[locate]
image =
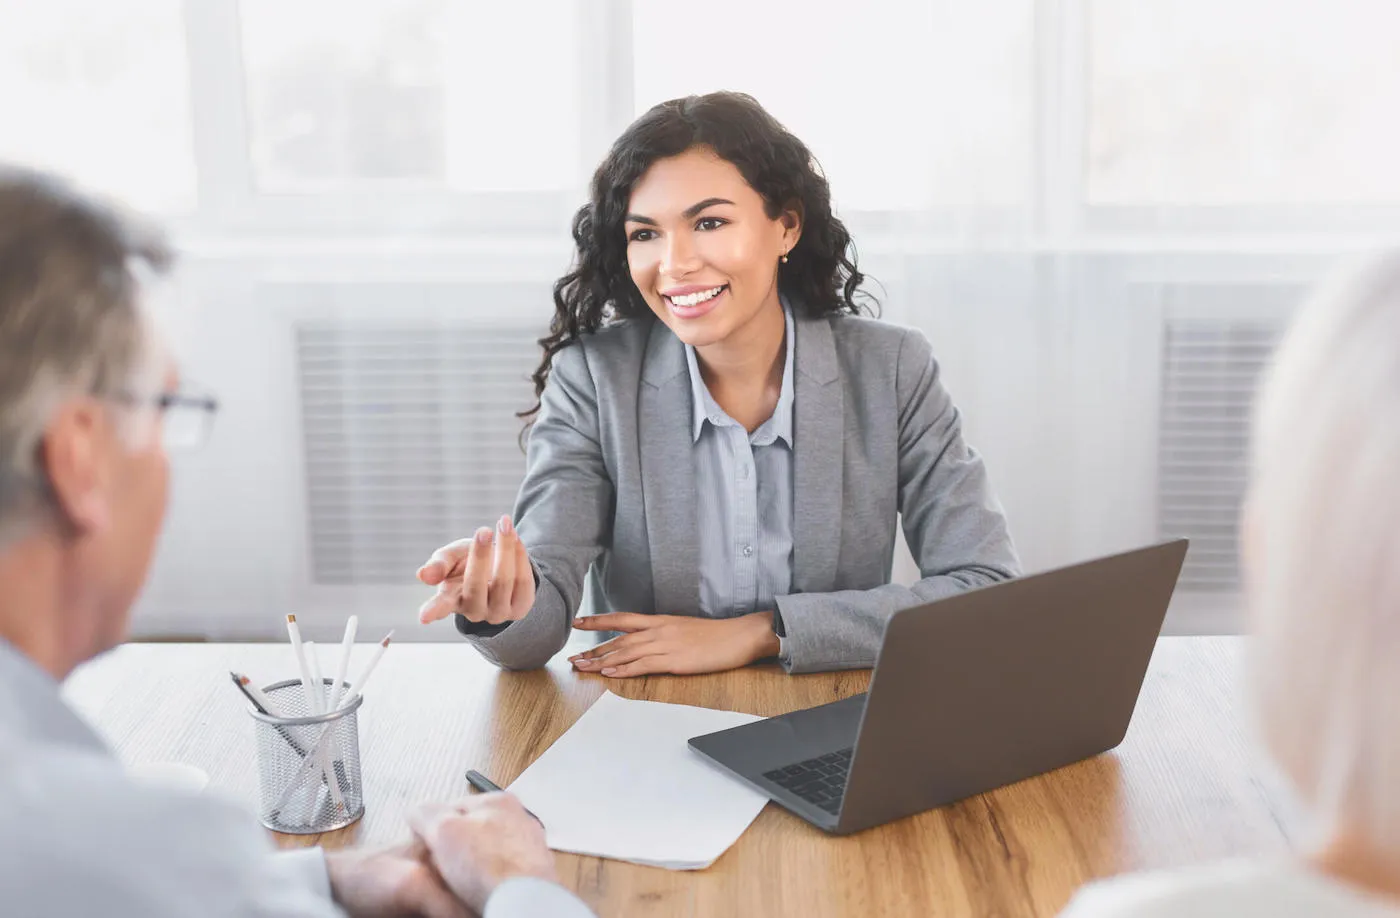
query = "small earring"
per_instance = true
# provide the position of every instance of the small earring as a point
(783, 259)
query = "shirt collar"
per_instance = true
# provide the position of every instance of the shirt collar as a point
(705, 408)
(31, 703)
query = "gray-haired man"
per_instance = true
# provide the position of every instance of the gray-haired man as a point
(89, 398)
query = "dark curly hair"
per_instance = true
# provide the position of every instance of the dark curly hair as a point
(820, 273)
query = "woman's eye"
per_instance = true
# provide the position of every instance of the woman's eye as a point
(710, 223)
(642, 235)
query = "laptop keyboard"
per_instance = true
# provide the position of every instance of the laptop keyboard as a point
(821, 781)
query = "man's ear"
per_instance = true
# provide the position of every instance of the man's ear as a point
(73, 454)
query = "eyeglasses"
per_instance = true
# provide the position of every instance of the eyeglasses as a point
(187, 416)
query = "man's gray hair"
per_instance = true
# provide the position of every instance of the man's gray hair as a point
(71, 318)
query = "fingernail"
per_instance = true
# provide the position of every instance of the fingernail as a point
(483, 537)
(501, 525)
(608, 671)
(510, 526)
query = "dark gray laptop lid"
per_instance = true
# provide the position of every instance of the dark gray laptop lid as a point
(1007, 681)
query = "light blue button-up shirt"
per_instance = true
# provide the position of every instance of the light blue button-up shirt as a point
(79, 837)
(744, 496)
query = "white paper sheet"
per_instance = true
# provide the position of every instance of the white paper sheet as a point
(622, 783)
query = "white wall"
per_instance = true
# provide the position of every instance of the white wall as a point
(1053, 359)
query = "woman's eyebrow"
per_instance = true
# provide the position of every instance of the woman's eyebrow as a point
(689, 212)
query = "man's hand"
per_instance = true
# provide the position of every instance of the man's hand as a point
(486, 578)
(391, 882)
(675, 643)
(480, 842)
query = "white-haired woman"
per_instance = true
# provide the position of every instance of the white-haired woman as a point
(1322, 571)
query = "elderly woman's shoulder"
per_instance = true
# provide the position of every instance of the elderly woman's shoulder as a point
(1240, 889)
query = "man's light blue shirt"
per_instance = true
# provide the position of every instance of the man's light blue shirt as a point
(79, 837)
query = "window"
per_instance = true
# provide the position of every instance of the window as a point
(886, 76)
(1201, 103)
(415, 95)
(100, 92)
(1060, 121)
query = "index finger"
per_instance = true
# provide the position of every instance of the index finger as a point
(615, 621)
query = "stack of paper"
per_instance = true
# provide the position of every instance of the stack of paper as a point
(622, 783)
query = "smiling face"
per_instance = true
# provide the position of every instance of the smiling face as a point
(702, 249)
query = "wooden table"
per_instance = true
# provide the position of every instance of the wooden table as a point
(1183, 787)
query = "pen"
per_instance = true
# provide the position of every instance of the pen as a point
(260, 704)
(484, 784)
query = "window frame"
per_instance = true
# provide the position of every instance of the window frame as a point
(228, 201)
(1056, 217)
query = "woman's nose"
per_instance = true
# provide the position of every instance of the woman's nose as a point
(679, 257)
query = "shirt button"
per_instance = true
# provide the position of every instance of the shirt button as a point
(748, 551)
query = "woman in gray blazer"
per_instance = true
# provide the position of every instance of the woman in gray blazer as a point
(723, 442)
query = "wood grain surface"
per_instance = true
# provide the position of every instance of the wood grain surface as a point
(1185, 786)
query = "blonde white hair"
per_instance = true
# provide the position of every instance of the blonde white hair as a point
(1323, 555)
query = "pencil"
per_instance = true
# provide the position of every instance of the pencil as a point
(317, 696)
(359, 685)
(350, 697)
(294, 633)
(347, 643)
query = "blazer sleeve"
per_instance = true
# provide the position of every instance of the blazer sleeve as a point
(563, 515)
(953, 524)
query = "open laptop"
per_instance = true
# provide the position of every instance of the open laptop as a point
(969, 693)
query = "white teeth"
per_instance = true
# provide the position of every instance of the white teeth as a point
(694, 299)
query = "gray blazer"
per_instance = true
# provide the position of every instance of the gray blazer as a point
(607, 508)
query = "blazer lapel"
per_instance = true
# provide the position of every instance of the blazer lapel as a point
(664, 439)
(818, 435)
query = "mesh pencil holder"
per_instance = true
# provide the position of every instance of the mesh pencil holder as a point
(299, 755)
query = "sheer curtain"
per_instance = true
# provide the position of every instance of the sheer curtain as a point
(1100, 212)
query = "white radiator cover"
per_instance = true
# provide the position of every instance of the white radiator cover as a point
(409, 439)
(1210, 372)
(368, 416)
